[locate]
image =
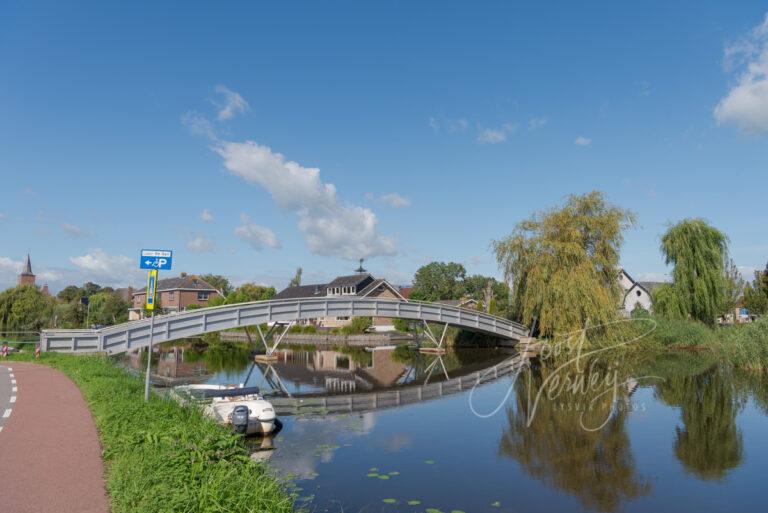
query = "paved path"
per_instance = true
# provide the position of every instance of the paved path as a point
(50, 457)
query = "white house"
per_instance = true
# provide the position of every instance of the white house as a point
(635, 294)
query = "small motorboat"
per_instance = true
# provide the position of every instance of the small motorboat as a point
(240, 407)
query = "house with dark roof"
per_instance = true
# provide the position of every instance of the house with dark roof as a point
(175, 295)
(635, 293)
(361, 284)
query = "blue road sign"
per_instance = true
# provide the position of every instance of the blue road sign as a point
(158, 259)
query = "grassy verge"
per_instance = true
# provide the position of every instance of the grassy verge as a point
(162, 457)
(744, 346)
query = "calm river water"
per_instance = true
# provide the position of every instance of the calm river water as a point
(680, 434)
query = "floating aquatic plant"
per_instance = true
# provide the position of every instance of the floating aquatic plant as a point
(389, 501)
(413, 502)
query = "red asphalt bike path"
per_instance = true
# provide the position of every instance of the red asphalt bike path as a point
(50, 456)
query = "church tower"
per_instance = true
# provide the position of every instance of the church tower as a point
(27, 277)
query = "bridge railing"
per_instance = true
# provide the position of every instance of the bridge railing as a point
(133, 334)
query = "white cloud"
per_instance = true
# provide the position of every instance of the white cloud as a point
(495, 135)
(256, 235)
(198, 124)
(74, 230)
(9, 265)
(329, 227)
(658, 277)
(100, 267)
(451, 126)
(200, 244)
(582, 141)
(537, 122)
(746, 104)
(206, 216)
(233, 103)
(395, 200)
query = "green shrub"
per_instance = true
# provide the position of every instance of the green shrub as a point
(747, 344)
(358, 326)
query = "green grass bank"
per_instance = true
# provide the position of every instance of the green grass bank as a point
(163, 457)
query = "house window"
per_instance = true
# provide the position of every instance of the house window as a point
(171, 295)
(639, 293)
(202, 296)
(342, 318)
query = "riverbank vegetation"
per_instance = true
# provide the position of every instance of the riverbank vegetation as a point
(160, 456)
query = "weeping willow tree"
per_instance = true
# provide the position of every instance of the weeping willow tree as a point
(698, 253)
(563, 264)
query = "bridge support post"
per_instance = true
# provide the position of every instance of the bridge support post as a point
(277, 340)
(431, 336)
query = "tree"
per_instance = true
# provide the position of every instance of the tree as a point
(249, 292)
(25, 308)
(219, 282)
(90, 288)
(69, 293)
(733, 289)
(698, 253)
(756, 293)
(562, 264)
(439, 280)
(296, 280)
(108, 308)
(492, 294)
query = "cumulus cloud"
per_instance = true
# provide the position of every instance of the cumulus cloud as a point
(200, 244)
(537, 122)
(395, 200)
(257, 236)
(746, 104)
(582, 141)
(328, 226)
(206, 216)
(232, 104)
(74, 230)
(495, 135)
(100, 267)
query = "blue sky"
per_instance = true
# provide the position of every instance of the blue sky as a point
(439, 125)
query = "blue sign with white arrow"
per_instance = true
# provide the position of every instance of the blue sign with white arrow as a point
(158, 259)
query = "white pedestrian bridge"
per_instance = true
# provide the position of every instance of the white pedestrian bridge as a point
(285, 312)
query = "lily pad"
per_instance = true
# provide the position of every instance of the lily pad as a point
(433, 510)
(384, 477)
(372, 474)
(373, 469)
(496, 504)
(456, 511)
(413, 502)
(389, 501)
(394, 473)
(429, 462)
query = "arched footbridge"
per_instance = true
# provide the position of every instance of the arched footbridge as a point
(275, 313)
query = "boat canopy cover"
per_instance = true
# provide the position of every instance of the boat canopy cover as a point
(231, 392)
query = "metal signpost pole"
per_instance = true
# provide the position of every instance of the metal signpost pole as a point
(154, 260)
(150, 304)
(149, 358)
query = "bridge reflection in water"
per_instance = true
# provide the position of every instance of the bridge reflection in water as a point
(328, 380)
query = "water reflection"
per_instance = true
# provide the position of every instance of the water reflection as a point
(303, 371)
(551, 444)
(709, 443)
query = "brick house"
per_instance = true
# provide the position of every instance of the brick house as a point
(175, 295)
(361, 285)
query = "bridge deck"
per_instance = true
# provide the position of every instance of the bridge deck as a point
(136, 334)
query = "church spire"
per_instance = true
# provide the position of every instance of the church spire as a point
(27, 267)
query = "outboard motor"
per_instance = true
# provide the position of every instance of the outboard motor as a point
(240, 419)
